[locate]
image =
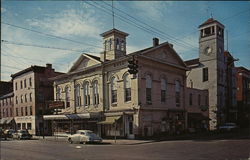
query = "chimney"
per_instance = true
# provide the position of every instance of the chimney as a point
(155, 42)
(48, 65)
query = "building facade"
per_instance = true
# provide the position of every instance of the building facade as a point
(99, 93)
(243, 96)
(32, 89)
(210, 71)
(6, 111)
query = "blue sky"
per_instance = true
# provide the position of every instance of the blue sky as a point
(175, 22)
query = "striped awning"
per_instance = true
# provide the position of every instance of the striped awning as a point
(67, 116)
(5, 120)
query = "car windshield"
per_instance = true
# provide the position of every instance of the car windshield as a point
(23, 131)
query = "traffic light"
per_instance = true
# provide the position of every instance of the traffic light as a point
(132, 65)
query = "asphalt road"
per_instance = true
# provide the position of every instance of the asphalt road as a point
(165, 150)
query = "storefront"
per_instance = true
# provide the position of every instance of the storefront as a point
(197, 122)
(70, 123)
(7, 123)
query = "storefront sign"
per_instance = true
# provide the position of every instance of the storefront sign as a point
(56, 105)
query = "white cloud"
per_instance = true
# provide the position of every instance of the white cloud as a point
(187, 48)
(153, 9)
(3, 10)
(69, 23)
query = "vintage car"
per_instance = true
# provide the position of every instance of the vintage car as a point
(84, 136)
(21, 134)
(9, 133)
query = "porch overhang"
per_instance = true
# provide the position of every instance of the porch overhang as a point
(110, 120)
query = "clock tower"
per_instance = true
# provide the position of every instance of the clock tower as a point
(211, 40)
(213, 68)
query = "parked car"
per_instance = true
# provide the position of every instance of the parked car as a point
(9, 133)
(22, 134)
(2, 135)
(84, 136)
(228, 127)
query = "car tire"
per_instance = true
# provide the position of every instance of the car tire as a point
(70, 141)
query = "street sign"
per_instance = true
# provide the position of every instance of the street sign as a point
(56, 104)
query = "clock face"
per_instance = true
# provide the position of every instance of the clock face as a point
(208, 51)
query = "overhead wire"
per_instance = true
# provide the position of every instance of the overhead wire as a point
(50, 35)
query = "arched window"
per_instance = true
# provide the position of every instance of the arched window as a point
(86, 94)
(21, 98)
(77, 96)
(163, 90)
(58, 93)
(96, 93)
(113, 87)
(148, 89)
(127, 88)
(67, 96)
(177, 92)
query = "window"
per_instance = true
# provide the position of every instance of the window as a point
(127, 88)
(190, 99)
(30, 82)
(199, 99)
(6, 101)
(21, 84)
(205, 74)
(21, 98)
(77, 96)
(110, 44)
(86, 94)
(67, 95)
(177, 92)
(26, 111)
(24, 83)
(29, 126)
(30, 97)
(21, 111)
(206, 100)
(31, 110)
(10, 112)
(7, 113)
(25, 97)
(148, 89)
(96, 93)
(23, 125)
(3, 102)
(122, 45)
(58, 93)
(16, 111)
(163, 90)
(16, 85)
(113, 90)
(18, 126)
(118, 46)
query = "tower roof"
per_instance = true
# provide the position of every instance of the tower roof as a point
(210, 20)
(113, 31)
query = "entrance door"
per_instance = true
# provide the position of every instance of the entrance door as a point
(130, 128)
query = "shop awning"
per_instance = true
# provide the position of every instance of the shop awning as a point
(5, 120)
(197, 117)
(68, 116)
(110, 120)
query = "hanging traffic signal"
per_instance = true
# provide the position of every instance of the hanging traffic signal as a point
(132, 65)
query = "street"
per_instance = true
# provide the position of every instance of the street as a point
(172, 150)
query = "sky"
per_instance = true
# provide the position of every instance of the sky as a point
(58, 32)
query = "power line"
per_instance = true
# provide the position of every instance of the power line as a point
(148, 25)
(50, 35)
(40, 46)
(125, 19)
